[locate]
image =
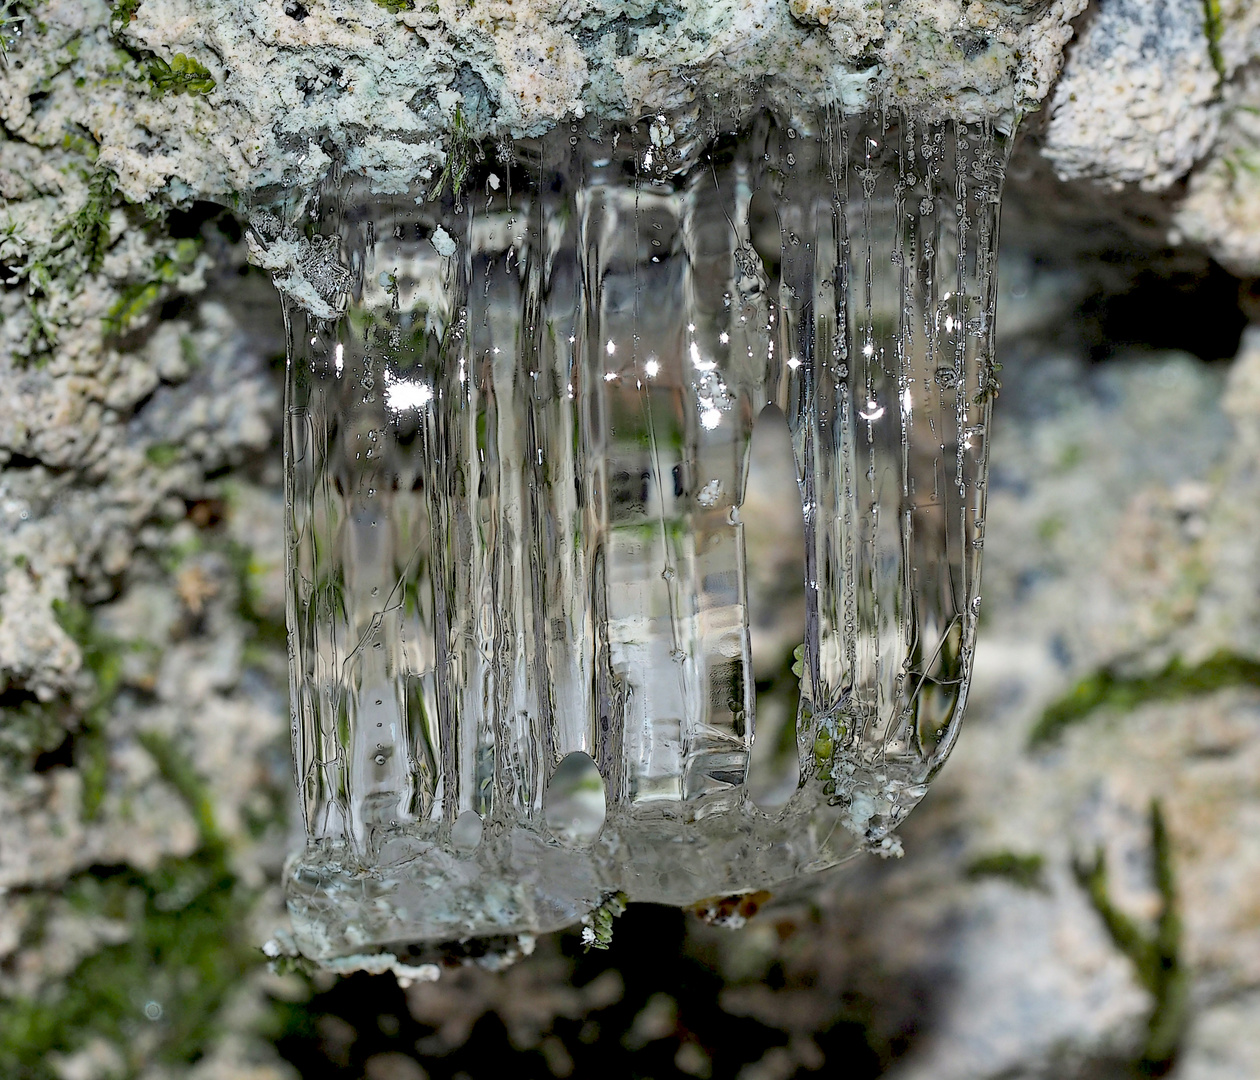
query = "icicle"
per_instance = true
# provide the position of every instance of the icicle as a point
(517, 452)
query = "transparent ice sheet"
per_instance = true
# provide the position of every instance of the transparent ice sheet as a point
(516, 462)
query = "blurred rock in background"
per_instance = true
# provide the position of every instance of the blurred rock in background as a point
(1080, 896)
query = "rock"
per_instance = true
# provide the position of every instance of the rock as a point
(1224, 1041)
(1120, 538)
(256, 93)
(1137, 99)
(1221, 209)
(141, 515)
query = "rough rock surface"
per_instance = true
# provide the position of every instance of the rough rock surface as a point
(1110, 114)
(380, 82)
(1222, 206)
(143, 754)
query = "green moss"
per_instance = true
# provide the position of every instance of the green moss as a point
(168, 979)
(32, 727)
(80, 141)
(459, 156)
(163, 455)
(90, 226)
(188, 351)
(102, 656)
(183, 75)
(121, 13)
(1154, 953)
(395, 7)
(1212, 29)
(1050, 527)
(1022, 870)
(133, 301)
(599, 923)
(265, 630)
(137, 297)
(1107, 689)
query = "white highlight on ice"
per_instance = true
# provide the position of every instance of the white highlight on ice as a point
(404, 394)
(698, 362)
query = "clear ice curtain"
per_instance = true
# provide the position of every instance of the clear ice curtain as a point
(519, 437)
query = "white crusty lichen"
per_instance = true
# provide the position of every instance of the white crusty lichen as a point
(114, 113)
(379, 87)
(1138, 100)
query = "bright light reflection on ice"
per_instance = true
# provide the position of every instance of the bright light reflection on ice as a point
(698, 362)
(873, 411)
(404, 394)
(652, 368)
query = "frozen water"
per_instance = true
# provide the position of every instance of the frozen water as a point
(517, 562)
